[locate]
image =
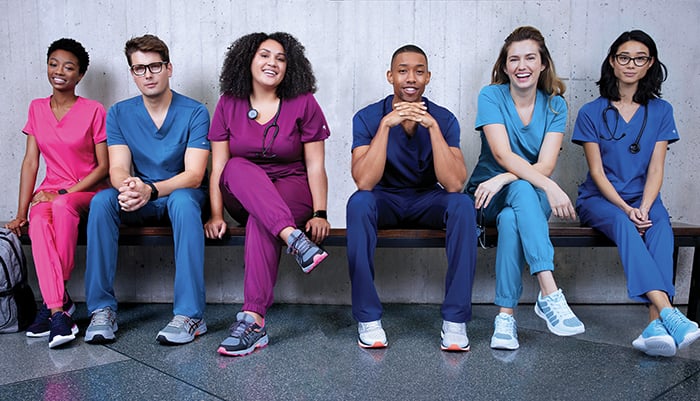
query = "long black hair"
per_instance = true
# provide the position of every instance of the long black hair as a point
(236, 78)
(649, 87)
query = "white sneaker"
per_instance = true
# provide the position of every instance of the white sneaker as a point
(371, 335)
(559, 317)
(505, 332)
(454, 336)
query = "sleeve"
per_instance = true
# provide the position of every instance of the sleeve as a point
(667, 126)
(219, 130)
(451, 131)
(584, 128)
(557, 108)
(199, 128)
(488, 108)
(313, 124)
(30, 127)
(114, 132)
(99, 132)
(362, 133)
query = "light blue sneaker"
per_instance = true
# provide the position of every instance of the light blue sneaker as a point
(559, 317)
(683, 330)
(505, 332)
(655, 340)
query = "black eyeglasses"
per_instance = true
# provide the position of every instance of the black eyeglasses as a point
(140, 69)
(639, 61)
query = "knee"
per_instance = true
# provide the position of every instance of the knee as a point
(183, 201)
(104, 203)
(506, 221)
(460, 206)
(362, 204)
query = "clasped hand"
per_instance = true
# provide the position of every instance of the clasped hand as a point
(410, 111)
(133, 194)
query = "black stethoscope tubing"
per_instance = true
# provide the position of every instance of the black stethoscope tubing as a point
(633, 148)
(253, 114)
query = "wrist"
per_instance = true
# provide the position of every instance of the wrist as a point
(62, 191)
(154, 191)
(322, 214)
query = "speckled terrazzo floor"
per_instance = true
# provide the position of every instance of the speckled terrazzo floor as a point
(313, 355)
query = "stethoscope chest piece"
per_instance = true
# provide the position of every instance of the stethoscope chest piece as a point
(634, 148)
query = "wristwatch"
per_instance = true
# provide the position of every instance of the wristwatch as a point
(154, 191)
(62, 191)
(320, 213)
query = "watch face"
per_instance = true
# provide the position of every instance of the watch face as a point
(62, 192)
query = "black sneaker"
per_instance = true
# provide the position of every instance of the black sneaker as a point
(63, 330)
(307, 254)
(245, 337)
(42, 324)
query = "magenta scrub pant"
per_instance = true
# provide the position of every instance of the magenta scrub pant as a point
(265, 204)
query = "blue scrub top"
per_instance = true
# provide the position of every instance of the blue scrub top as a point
(626, 171)
(496, 106)
(409, 159)
(158, 154)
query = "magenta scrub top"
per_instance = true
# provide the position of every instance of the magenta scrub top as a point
(300, 120)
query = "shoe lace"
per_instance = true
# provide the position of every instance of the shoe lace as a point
(101, 317)
(239, 328)
(457, 328)
(370, 326)
(300, 245)
(673, 321)
(504, 325)
(560, 307)
(178, 321)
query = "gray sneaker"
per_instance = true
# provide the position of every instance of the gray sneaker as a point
(102, 326)
(181, 330)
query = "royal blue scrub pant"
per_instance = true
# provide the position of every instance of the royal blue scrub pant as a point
(647, 259)
(369, 210)
(520, 212)
(182, 208)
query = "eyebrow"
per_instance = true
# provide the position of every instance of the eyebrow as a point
(67, 61)
(270, 51)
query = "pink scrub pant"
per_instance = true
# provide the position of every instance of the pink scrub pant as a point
(53, 230)
(265, 205)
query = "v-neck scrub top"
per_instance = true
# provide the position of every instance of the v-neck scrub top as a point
(496, 106)
(68, 145)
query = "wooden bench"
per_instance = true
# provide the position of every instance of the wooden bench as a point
(561, 234)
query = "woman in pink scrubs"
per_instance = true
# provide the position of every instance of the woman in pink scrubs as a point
(69, 131)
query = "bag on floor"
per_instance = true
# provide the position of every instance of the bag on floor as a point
(17, 304)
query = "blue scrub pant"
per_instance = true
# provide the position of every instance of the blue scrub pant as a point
(520, 212)
(648, 259)
(369, 210)
(182, 208)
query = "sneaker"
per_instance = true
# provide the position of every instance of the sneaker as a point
(41, 327)
(505, 333)
(63, 329)
(371, 335)
(655, 340)
(454, 336)
(245, 337)
(559, 317)
(683, 330)
(307, 253)
(181, 330)
(102, 326)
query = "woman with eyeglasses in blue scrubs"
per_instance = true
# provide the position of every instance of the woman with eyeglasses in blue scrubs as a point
(625, 133)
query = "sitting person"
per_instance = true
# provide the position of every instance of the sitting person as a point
(69, 131)
(621, 195)
(275, 189)
(161, 137)
(409, 171)
(522, 118)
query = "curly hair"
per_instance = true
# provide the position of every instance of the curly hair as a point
(236, 77)
(74, 47)
(548, 82)
(649, 87)
(146, 43)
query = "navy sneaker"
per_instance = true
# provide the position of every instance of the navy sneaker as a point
(41, 327)
(63, 330)
(245, 337)
(307, 253)
(683, 330)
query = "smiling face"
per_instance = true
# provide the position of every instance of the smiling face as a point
(524, 64)
(152, 85)
(63, 70)
(630, 74)
(269, 64)
(408, 75)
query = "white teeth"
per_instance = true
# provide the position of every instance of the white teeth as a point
(59, 80)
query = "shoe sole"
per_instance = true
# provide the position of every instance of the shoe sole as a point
(689, 339)
(553, 329)
(655, 346)
(316, 261)
(455, 348)
(163, 338)
(101, 338)
(504, 346)
(70, 312)
(60, 340)
(377, 344)
(260, 344)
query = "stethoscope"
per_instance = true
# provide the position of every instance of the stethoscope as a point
(253, 114)
(634, 148)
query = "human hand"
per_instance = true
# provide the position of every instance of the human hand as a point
(215, 228)
(640, 218)
(560, 203)
(133, 194)
(318, 228)
(16, 224)
(487, 190)
(43, 196)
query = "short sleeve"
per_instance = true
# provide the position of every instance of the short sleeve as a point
(489, 107)
(584, 129)
(99, 131)
(114, 133)
(313, 124)
(667, 126)
(219, 130)
(199, 128)
(557, 107)
(29, 127)
(452, 132)
(361, 133)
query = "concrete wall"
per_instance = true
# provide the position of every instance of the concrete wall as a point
(349, 44)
